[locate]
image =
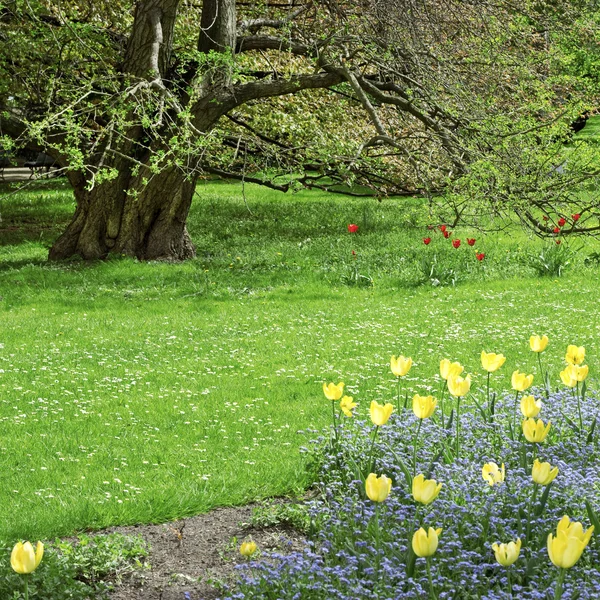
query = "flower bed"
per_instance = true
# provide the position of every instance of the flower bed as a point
(365, 549)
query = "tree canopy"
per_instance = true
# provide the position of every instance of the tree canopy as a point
(136, 99)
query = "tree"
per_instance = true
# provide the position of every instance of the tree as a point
(131, 97)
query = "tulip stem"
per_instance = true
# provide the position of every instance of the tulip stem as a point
(26, 587)
(457, 426)
(370, 463)
(335, 432)
(442, 404)
(559, 584)
(415, 448)
(488, 393)
(531, 508)
(515, 415)
(431, 590)
(579, 409)
(509, 581)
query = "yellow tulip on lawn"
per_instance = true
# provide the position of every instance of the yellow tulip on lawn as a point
(575, 354)
(332, 391)
(459, 386)
(520, 382)
(568, 545)
(347, 405)
(24, 560)
(507, 554)
(542, 473)
(378, 488)
(492, 473)
(448, 368)
(530, 407)
(248, 549)
(492, 362)
(400, 366)
(537, 343)
(534, 430)
(567, 377)
(578, 373)
(424, 490)
(380, 413)
(425, 543)
(423, 406)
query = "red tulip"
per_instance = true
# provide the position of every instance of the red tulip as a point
(480, 256)
(556, 230)
(447, 234)
(426, 241)
(353, 253)
(561, 222)
(456, 243)
(471, 241)
(443, 228)
(576, 217)
(557, 241)
(545, 217)
(352, 228)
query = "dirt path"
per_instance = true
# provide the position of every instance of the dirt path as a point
(194, 554)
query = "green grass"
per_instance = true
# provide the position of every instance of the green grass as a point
(134, 392)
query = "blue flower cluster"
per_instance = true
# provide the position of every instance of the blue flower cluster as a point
(362, 549)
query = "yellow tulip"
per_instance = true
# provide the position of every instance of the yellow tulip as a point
(578, 373)
(530, 407)
(492, 362)
(534, 430)
(543, 473)
(459, 386)
(425, 543)
(248, 549)
(575, 354)
(507, 554)
(380, 414)
(423, 406)
(520, 381)
(567, 377)
(378, 488)
(347, 405)
(424, 490)
(537, 343)
(567, 547)
(332, 391)
(492, 473)
(448, 368)
(400, 366)
(23, 560)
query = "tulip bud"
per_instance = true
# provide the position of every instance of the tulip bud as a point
(459, 386)
(507, 554)
(380, 414)
(537, 343)
(425, 543)
(332, 391)
(378, 488)
(448, 368)
(247, 549)
(424, 490)
(530, 407)
(347, 405)
(567, 547)
(543, 473)
(534, 430)
(400, 366)
(492, 474)
(492, 362)
(520, 382)
(575, 354)
(23, 560)
(423, 406)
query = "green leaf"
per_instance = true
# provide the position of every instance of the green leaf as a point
(592, 516)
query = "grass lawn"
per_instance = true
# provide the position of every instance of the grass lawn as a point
(134, 392)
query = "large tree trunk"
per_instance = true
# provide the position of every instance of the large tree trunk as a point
(129, 217)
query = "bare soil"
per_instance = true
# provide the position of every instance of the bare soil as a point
(199, 554)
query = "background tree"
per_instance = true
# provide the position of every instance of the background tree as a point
(137, 99)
